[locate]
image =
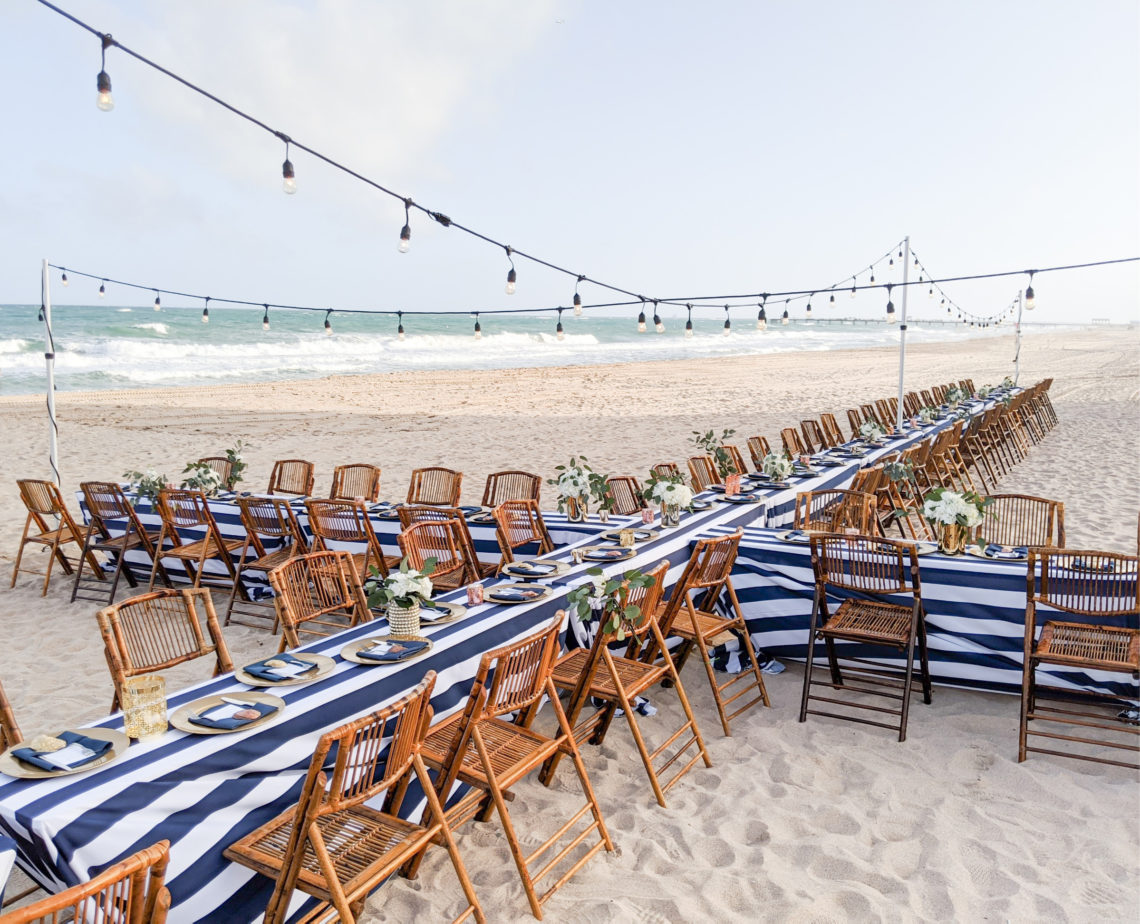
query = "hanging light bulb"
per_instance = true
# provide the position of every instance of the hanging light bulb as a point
(103, 289)
(762, 316)
(328, 323)
(808, 312)
(578, 298)
(658, 324)
(406, 231)
(641, 328)
(63, 278)
(511, 275)
(785, 319)
(103, 98)
(1030, 298)
(852, 286)
(689, 322)
(900, 253)
(872, 277)
(831, 301)
(289, 179)
(400, 325)
(206, 312)
(40, 314)
(727, 322)
(930, 292)
(890, 304)
(892, 263)
(265, 318)
(157, 302)
(478, 328)
(558, 331)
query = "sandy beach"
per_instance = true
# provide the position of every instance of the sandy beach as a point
(822, 821)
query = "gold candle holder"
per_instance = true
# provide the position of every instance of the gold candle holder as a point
(144, 706)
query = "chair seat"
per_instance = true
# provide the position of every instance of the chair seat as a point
(63, 534)
(871, 621)
(714, 628)
(124, 542)
(359, 840)
(633, 675)
(514, 751)
(273, 559)
(196, 548)
(1098, 647)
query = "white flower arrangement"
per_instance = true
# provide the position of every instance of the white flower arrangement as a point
(777, 466)
(928, 414)
(1007, 382)
(671, 494)
(405, 587)
(984, 391)
(578, 482)
(955, 395)
(871, 430)
(573, 483)
(146, 484)
(953, 508)
(201, 478)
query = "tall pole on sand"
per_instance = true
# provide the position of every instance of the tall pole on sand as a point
(49, 359)
(902, 331)
(1017, 341)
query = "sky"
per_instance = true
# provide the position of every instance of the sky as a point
(672, 149)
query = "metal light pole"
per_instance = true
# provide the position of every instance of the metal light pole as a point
(1017, 341)
(902, 331)
(49, 359)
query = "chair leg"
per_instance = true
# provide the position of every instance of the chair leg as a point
(810, 661)
(1027, 670)
(924, 664)
(908, 678)
(79, 567)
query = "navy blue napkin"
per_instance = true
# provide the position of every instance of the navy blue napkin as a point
(993, 550)
(259, 669)
(796, 535)
(230, 724)
(99, 746)
(531, 569)
(469, 510)
(607, 554)
(401, 648)
(513, 594)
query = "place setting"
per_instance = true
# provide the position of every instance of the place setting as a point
(285, 669)
(227, 713)
(71, 751)
(603, 553)
(534, 569)
(386, 649)
(999, 552)
(516, 592)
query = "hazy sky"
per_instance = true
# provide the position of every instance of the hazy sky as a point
(670, 148)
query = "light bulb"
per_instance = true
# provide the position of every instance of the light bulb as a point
(831, 301)
(784, 319)
(892, 261)
(103, 100)
(561, 334)
(689, 328)
(577, 305)
(641, 328)
(852, 291)
(478, 331)
(405, 238)
(872, 277)
(328, 326)
(205, 315)
(400, 326)
(727, 327)
(808, 309)
(658, 324)
(289, 181)
(102, 290)
(265, 319)
(1030, 299)
(512, 276)
(157, 302)
(890, 308)
(762, 319)
(63, 278)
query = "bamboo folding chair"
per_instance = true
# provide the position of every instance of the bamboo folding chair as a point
(956, 461)
(868, 412)
(419, 513)
(831, 431)
(157, 630)
(912, 404)
(598, 673)
(435, 486)
(292, 476)
(131, 891)
(793, 445)
(874, 569)
(106, 505)
(702, 473)
(1090, 587)
(181, 509)
(45, 503)
(272, 531)
(700, 627)
(440, 540)
(519, 523)
(735, 458)
(9, 730)
(511, 485)
(835, 511)
(344, 837)
(939, 393)
(854, 421)
(885, 409)
(318, 593)
(928, 399)
(1021, 519)
(626, 493)
(758, 448)
(356, 480)
(812, 435)
(222, 466)
(346, 522)
(482, 748)
(666, 469)
(900, 501)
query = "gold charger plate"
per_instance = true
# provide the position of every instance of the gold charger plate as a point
(490, 593)
(180, 718)
(323, 664)
(602, 554)
(557, 568)
(11, 766)
(453, 611)
(349, 652)
(639, 534)
(978, 552)
(795, 536)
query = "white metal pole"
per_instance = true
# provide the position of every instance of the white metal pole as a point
(49, 359)
(1017, 349)
(902, 332)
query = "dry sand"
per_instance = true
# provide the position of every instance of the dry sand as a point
(823, 821)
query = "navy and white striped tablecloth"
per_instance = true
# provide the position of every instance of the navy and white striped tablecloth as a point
(975, 615)
(7, 861)
(204, 792)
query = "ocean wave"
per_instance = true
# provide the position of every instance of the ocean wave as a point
(158, 327)
(14, 345)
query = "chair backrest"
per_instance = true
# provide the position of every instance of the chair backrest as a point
(928, 399)
(813, 436)
(834, 511)
(519, 522)
(793, 445)
(411, 514)
(911, 403)
(270, 518)
(42, 498)
(854, 421)
(708, 570)
(131, 892)
(338, 521)
(831, 430)
(519, 671)
(9, 730)
(735, 457)
(310, 587)
(222, 465)
(1020, 519)
(626, 493)
(868, 480)
(442, 541)
(160, 629)
(865, 564)
(1085, 583)
(666, 469)
(291, 476)
(358, 479)
(184, 509)
(702, 472)
(867, 411)
(107, 503)
(435, 486)
(885, 411)
(511, 485)
(758, 448)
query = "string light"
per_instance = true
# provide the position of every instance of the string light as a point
(785, 319)
(808, 311)
(265, 319)
(157, 302)
(1030, 298)
(641, 328)
(890, 304)
(930, 292)
(103, 99)
(289, 178)
(328, 323)
(558, 331)
(658, 324)
(578, 298)
(511, 274)
(103, 289)
(872, 275)
(689, 322)
(406, 231)
(63, 279)
(478, 327)
(762, 316)
(206, 311)
(400, 325)
(727, 322)
(831, 301)
(853, 286)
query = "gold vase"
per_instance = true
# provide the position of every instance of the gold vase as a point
(144, 706)
(576, 510)
(952, 539)
(404, 621)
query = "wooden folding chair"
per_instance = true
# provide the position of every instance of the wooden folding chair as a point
(854, 421)
(626, 493)
(1021, 519)
(885, 409)
(598, 674)
(702, 473)
(481, 747)
(319, 593)
(735, 458)
(181, 509)
(131, 891)
(700, 627)
(831, 431)
(422, 513)
(108, 512)
(875, 569)
(346, 523)
(356, 480)
(435, 486)
(868, 412)
(814, 439)
(520, 523)
(835, 511)
(222, 466)
(272, 531)
(45, 503)
(758, 448)
(9, 730)
(1090, 587)
(442, 541)
(511, 485)
(666, 469)
(157, 630)
(345, 836)
(292, 476)
(793, 445)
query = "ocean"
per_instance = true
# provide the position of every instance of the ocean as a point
(108, 347)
